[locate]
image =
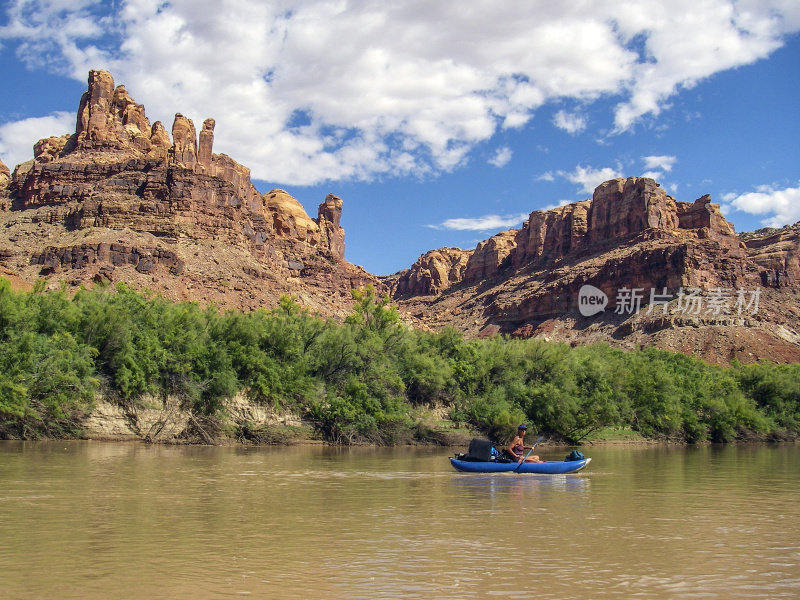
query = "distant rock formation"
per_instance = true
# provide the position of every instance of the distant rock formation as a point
(329, 215)
(118, 200)
(777, 252)
(624, 207)
(620, 210)
(433, 273)
(551, 234)
(631, 237)
(490, 255)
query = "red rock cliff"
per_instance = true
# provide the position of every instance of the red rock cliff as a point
(620, 211)
(630, 236)
(777, 252)
(119, 200)
(433, 273)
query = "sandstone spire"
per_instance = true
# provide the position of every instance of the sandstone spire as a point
(184, 141)
(109, 119)
(329, 216)
(95, 124)
(204, 151)
(133, 119)
(159, 139)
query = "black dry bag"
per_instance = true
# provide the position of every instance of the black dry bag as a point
(479, 451)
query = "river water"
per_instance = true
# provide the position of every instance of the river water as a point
(94, 520)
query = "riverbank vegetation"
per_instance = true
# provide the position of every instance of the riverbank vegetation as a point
(365, 380)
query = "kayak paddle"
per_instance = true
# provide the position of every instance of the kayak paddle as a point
(539, 439)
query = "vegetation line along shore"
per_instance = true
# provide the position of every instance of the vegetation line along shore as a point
(369, 379)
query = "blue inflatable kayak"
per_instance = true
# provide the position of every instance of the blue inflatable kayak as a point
(550, 467)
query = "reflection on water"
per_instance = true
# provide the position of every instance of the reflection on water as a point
(96, 520)
(492, 485)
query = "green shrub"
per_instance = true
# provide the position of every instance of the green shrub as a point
(361, 380)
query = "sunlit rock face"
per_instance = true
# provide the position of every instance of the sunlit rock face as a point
(121, 200)
(641, 249)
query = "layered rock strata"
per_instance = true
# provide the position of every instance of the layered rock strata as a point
(433, 273)
(777, 252)
(620, 211)
(639, 247)
(173, 204)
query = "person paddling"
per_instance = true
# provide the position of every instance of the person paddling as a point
(517, 447)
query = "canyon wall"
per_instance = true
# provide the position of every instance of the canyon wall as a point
(642, 250)
(117, 200)
(621, 211)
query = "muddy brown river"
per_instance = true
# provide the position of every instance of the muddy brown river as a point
(95, 520)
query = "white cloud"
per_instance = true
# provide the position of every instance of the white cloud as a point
(546, 176)
(16, 145)
(484, 223)
(662, 163)
(688, 41)
(572, 123)
(390, 88)
(588, 178)
(501, 157)
(782, 205)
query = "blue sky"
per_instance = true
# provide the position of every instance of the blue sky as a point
(439, 123)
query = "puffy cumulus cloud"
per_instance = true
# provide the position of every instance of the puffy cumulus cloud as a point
(51, 32)
(662, 163)
(306, 91)
(782, 205)
(682, 42)
(572, 123)
(588, 178)
(658, 165)
(485, 223)
(18, 137)
(501, 157)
